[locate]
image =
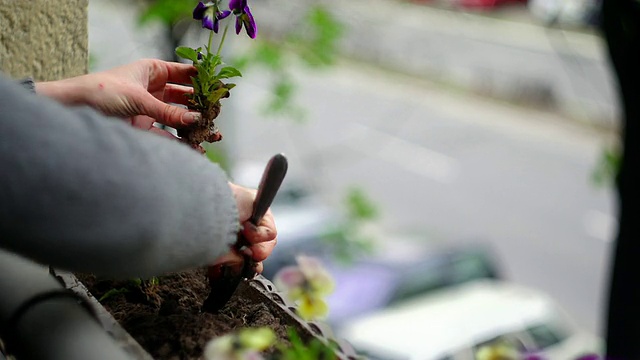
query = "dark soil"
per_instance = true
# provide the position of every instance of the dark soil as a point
(205, 130)
(166, 318)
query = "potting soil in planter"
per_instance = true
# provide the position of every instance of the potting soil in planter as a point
(165, 317)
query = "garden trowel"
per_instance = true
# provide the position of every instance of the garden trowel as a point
(224, 278)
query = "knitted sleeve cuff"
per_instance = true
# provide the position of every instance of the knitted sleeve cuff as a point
(28, 84)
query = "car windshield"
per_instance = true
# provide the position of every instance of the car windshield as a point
(441, 270)
(546, 335)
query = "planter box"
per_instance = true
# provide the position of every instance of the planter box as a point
(258, 291)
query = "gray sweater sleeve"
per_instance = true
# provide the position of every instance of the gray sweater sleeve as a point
(88, 193)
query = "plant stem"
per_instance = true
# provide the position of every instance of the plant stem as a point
(224, 35)
(210, 40)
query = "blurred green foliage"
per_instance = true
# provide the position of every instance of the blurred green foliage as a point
(298, 350)
(313, 43)
(217, 155)
(317, 43)
(168, 12)
(349, 240)
(607, 168)
(360, 206)
(93, 61)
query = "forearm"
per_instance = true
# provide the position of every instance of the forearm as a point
(88, 193)
(72, 91)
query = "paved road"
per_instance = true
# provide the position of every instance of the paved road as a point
(503, 53)
(452, 166)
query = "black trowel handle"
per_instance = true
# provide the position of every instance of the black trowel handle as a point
(271, 180)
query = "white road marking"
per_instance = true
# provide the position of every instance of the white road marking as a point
(410, 156)
(600, 225)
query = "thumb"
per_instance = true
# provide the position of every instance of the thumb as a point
(169, 115)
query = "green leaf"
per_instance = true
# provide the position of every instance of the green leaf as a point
(113, 292)
(228, 72)
(196, 85)
(211, 61)
(188, 53)
(166, 11)
(217, 95)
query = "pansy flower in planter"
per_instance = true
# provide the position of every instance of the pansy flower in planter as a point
(246, 344)
(210, 84)
(307, 284)
(498, 351)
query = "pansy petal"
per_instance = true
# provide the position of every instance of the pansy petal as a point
(223, 14)
(311, 266)
(237, 5)
(208, 23)
(208, 19)
(288, 277)
(238, 25)
(295, 294)
(216, 25)
(198, 12)
(311, 308)
(323, 285)
(308, 264)
(249, 23)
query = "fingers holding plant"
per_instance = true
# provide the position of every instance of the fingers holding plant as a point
(150, 87)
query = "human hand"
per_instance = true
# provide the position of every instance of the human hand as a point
(261, 238)
(139, 92)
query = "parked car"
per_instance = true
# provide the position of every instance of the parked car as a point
(398, 269)
(485, 4)
(454, 323)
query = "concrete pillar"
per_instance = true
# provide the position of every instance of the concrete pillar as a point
(45, 39)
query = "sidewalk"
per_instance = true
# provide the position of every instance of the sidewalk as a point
(502, 54)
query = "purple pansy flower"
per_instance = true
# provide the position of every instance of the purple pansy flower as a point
(243, 17)
(210, 15)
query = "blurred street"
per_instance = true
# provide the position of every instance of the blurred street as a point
(451, 165)
(502, 52)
